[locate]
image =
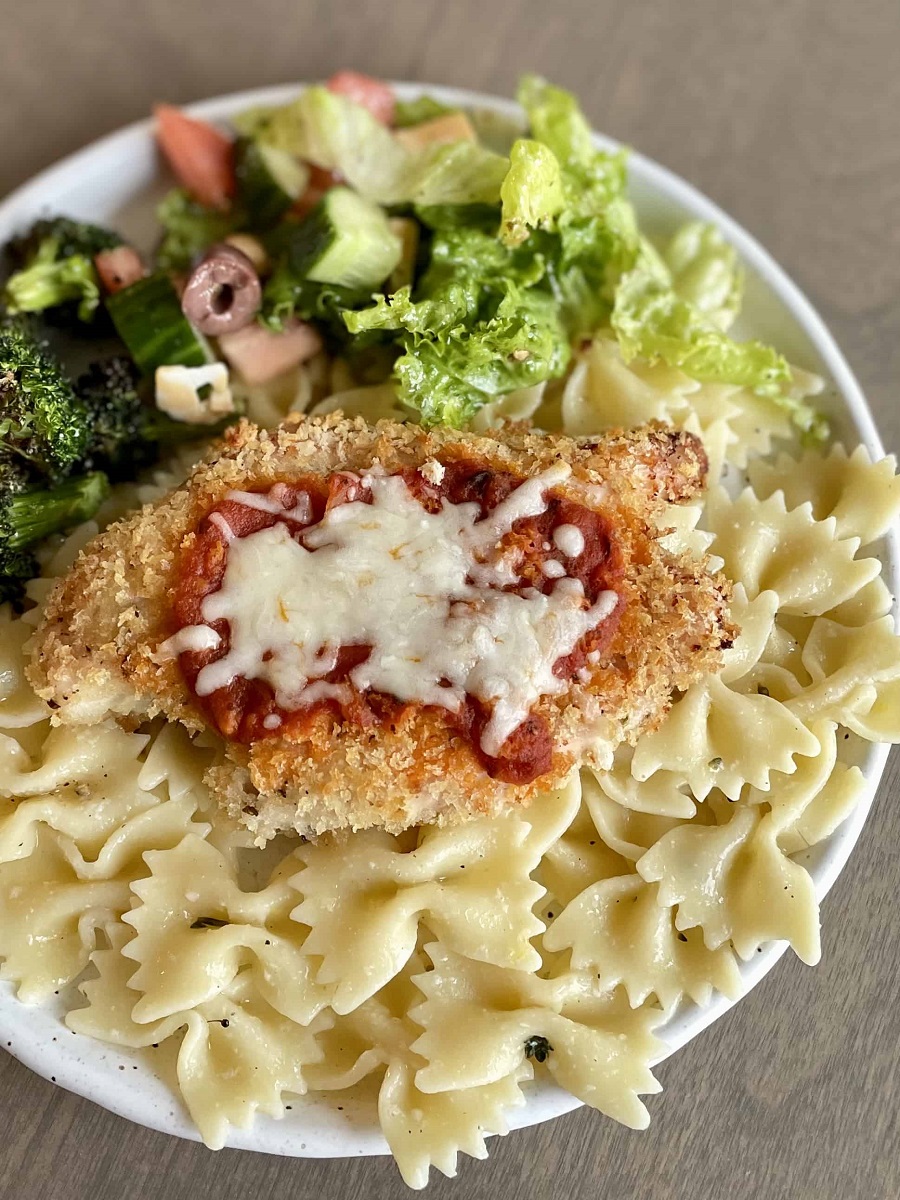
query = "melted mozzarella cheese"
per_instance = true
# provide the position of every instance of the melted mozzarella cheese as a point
(276, 501)
(191, 638)
(420, 589)
(569, 540)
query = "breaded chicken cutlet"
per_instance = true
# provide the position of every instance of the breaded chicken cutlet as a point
(390, 625)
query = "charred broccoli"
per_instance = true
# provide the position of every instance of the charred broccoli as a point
(125, 433)
(55, 263)
(115, 415)
(30, 515)
(73, 237)
(42, 424)
(17, 565)
(60, 445)
(44, 436)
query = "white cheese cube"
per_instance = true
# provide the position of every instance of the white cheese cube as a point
(198, 395)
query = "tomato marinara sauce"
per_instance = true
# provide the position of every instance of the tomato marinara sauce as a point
(566, 539)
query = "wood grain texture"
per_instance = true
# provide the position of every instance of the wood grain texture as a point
(787, 112)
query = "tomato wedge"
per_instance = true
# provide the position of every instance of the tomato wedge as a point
(201, 157)
(373, 94)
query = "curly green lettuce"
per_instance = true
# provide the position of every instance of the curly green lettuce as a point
(652, 322)
(520, 257)
(446, 379)
(706, 272)
(531, 195)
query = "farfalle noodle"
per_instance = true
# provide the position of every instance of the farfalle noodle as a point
(600, 1050)
(619, 931)
(862, 496)
(765, 547)
(717, 877)
(443, 965)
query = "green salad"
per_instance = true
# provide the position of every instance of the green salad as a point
(421, 244)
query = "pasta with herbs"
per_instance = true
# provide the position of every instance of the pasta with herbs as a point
(448, 967)
(601, 1046)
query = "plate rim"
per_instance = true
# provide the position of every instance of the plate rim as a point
(28, 198)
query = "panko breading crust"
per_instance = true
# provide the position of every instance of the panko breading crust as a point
(95, 649)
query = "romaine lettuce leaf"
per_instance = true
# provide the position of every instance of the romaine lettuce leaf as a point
(531, 195)
(448, 378)
(593, 177)
(458, 216)
(286, 296)
(414, 112)
(449, 308)
(469, 269)
(478, 327)
(706, 272)
(652, 322)
(598, 237)
(455, 173)
(592, 255)
(254, 122)
(333, 132)
(482, 260)
(556, 120)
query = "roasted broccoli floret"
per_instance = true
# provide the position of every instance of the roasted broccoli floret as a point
(30, 515)
(16, 568)
(14, 475)
(74, 237)
(126, 433)
(116, 416)
(51, 280)
(42, 424)
(55, 263)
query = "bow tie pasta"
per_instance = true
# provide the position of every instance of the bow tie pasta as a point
(437, 972)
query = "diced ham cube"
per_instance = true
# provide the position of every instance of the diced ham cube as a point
(258, 355)
(449, 127)
(119, 268)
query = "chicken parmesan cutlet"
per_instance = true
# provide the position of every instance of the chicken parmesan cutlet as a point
(390, 625)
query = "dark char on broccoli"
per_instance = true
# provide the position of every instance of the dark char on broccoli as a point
(54, 271)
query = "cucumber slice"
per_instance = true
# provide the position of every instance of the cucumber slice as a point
(346, 241)
(148, 318)
(269, 181)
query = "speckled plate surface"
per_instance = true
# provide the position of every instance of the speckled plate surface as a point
(117, 181)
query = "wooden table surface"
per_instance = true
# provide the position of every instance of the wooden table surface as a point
(786, 112)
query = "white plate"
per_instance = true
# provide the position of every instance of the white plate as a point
(115, 181)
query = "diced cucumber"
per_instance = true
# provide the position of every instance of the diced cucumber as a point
(345, 241)
(148, 318)
(269, 181)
